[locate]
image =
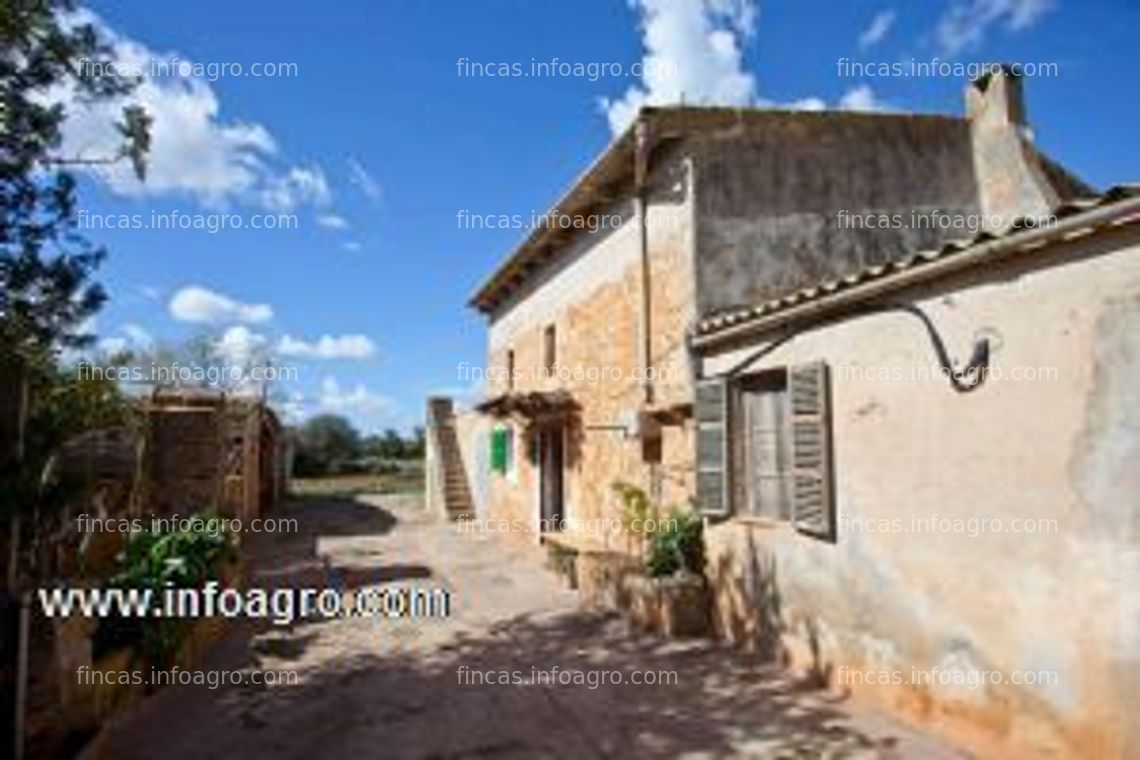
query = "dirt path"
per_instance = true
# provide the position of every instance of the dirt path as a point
(391, 688)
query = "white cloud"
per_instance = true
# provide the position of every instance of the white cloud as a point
(139, 336)
(878, 28)
(239, 346)
(89, 326)
(359, 400)
(364, 181)
(328, 347)
(693, 53)
(298, 186)
(965, 23)
(198, 304)
(150, 292)
(862, 98)
(112, 345)
(292, 409)
(129, 337)
(352, 246)
(804, 104)
(332, 222)
(195, 151)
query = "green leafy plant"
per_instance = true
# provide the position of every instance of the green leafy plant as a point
(155, 561)
(677, 546)
(635, 506)
(674, 544)
(637, 511)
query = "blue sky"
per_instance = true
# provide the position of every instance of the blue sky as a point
(377, 142)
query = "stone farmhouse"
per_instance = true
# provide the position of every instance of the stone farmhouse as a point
(782, 322)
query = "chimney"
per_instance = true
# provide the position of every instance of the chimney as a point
(997, 98)
(1011, 180)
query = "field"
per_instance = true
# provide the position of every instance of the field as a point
(407, 481)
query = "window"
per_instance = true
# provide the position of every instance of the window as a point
(549, 355)
(764, 447)
(510, 369)
(652, 440)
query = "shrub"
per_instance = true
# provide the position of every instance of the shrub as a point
(636, 509)
(155, 561)
(678, 546)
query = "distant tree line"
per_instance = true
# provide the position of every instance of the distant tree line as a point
(329, 444)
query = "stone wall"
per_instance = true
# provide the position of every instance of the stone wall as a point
(206, 452)
(1060, 445)
(184, 460)
(592, 296)
(473, 431)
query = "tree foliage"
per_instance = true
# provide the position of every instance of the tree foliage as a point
(45, 263)
(326, 444)
(391, 445)
(63, 403)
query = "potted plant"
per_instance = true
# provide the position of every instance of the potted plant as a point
(668, 593)
(672, 597)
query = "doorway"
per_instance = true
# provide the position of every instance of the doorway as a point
(551, 459)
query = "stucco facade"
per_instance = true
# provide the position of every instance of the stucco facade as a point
(994, 532)
(703, 210)
(727, 216)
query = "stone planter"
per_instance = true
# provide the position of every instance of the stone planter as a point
(200, 636)
(111, 689)
(564, 562)
(676, 607)
(602, 578)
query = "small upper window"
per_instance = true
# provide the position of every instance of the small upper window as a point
(510, 370)
(550, 357)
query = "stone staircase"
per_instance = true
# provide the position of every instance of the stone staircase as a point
(454, 491)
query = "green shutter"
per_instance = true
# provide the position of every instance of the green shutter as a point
(499, 451)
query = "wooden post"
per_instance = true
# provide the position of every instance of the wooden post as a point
(14, 614)
(251, 467)
(13, 406)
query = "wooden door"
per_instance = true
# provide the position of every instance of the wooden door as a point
(551, 476)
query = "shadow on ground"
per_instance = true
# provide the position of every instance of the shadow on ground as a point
(295, 558)
(452, 703)
(552, 684)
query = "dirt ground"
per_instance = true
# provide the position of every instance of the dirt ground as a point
(392, 688)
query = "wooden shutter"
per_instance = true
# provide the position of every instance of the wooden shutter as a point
(711, 415)
(813, 504)
(499, 451)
